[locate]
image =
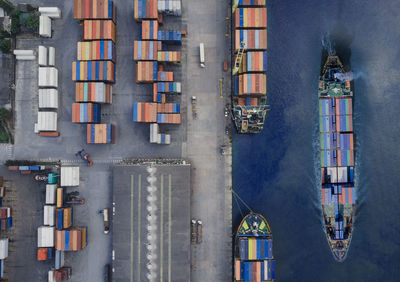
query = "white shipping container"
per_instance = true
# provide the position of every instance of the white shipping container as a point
(69, 176)
(42, 57)
(51, 191)
(46, 237)
(24, 53)
(49, 215)
(52, 56)
(25, 58)
(52, 12)
(178, 87)
(48, 98)
(167, 139)
(8, 212)
(47, 121)
(153, 133)
(48, 77)
(51, 277)
(3, 248)
(44, 26)
(171, 7)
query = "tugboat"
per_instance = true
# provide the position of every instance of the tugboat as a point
(254, 260)
(338, 192)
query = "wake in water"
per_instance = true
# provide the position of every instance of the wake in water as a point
(327, 44)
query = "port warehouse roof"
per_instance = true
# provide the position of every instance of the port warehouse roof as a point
(130, 222)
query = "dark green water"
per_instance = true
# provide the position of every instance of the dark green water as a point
(275, 171)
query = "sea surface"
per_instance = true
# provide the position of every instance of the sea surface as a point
(276, 172)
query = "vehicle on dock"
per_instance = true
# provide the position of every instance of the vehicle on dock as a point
(337, 156)
(254, 260)
(202, 56)
(50, 178)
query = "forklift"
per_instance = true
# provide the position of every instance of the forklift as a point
(84, 156)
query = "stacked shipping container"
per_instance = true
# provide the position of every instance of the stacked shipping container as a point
(97, 92)
(100, 134)
(148, 52)
(73, 239)
(86, 113)
(250, 23)
(250, 84)
(145, 9)
(95, 69)
(96, 50)
(95, 9)
(149, 30)
(5, 218)
(251, 18)
(99, 30)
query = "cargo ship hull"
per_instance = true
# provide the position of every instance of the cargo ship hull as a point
(249, 79)
(338, 193)
(254, 260)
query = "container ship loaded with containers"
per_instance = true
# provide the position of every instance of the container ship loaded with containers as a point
(249, 70)
(254, 260)
(337, 156)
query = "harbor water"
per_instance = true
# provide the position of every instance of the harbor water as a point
(276, 171)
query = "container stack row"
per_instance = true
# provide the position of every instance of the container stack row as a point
(250, 24)
(58, 219)
(48, 93)
(154, 51)
(94, 71)
(6, 222)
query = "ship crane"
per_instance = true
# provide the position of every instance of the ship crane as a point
(239, 58)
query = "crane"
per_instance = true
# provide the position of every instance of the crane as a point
(239, 57)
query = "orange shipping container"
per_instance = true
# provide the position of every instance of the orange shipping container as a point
(255, 39)
(252, 84)
(59, 197)
(94, 9)
(99, 30)
(42, 254)
(148, 9)
(149, 30)
(251, 18)
(146, 71)
(146, 50)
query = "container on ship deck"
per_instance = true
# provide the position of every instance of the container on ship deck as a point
(250, 18)
(255, 39)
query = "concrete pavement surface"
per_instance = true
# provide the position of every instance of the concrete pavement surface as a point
(198, 140)
(211, 260)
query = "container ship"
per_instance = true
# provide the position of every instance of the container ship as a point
(337, 155)
(254, 260)
(249, 102)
